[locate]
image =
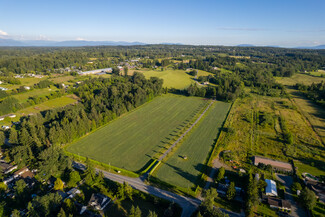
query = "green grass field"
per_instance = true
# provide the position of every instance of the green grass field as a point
(196, 146)
(23, 97)
(253, 137)
(299, 78)
(50, 104)
(62, 79)
(25, 82)
(314, 113)
(130, 141)
(178, 79)
(318, 73)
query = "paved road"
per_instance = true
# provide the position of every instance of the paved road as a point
(287, 181)
(189, 205)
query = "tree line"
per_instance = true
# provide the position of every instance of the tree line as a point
(33, 140)
(315, 92)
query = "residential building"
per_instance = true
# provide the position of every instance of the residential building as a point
(99, 201)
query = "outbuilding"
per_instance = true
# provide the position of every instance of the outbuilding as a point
(271, 188)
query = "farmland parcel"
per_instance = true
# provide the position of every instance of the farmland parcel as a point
(184, 172)
(133, 139)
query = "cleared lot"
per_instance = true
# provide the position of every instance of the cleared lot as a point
(133, 139)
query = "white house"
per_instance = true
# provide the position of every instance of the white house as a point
(271, 188)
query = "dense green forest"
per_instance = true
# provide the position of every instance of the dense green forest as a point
(102, 100)
(278, 61)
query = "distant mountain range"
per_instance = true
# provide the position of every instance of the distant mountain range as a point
(315, 47)
(276, 46)
(79, 43)
(76, 43)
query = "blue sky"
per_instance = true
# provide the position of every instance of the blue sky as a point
(215, 22)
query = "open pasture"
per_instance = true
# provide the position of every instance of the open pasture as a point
(314, 113)
(299, 78)
(132, 140)
(23, 97)
(178, 79)
(258, 129)
(50, 104)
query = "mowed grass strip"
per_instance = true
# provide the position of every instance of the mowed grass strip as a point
(196, 147)
(130, 141)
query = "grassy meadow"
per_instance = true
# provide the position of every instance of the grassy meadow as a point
(28, 81)
(62, 79)
(178, 79)
(299, 78)
(196, 146)
(50, 104)
(258, 130)
(23, 97)
(315, 114)
(132, 140)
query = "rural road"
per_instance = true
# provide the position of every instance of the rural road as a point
(188, 205)
(287, 181)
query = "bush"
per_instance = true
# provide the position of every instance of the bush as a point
(296, 186)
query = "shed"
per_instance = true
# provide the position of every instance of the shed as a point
(271, 188)
(279, 204)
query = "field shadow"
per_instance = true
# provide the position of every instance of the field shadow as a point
(276, 139)
(312, 162)
(146, 165)
(320, 111)
(321, 148)
(190, 177)
(163, 147)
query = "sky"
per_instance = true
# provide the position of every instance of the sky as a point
(287, 23)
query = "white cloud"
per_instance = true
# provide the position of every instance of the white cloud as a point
(80, 39)
(3, 33)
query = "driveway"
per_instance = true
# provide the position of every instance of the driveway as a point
(287, 181)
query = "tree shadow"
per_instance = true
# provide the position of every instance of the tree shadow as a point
(190, 177)
(146, 165)
(311, 162)
(322, 148)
